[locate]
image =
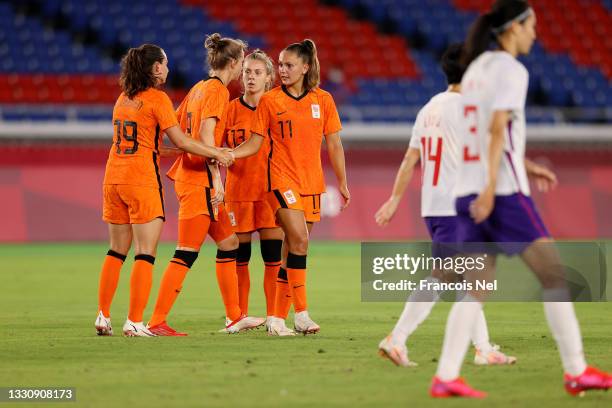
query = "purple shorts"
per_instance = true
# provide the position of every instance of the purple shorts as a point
(443, 232)
(512, 226)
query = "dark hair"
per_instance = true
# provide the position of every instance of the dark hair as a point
(221, 51)
(490, 25)
(136, 67)
(451, 63)
(307, 52)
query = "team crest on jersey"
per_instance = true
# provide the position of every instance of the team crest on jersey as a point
(290, 197)
(232, 218)
(316, 111)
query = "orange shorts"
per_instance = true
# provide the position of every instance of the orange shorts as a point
(127, 204)
(192, 231)
(310, 205)
(249, 216)
(194, 200)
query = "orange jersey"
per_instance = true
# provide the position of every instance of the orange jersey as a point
(134, 157)
(247, 178)
(206, 99)
(295, 127)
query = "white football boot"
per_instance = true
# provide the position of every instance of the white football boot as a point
(276, 327)
(493, 357)
(304, 324)
(103, 325)
(395, 352)
(243, 323)
(136, 329)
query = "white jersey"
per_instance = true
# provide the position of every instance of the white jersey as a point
(436, 135)
(495, 81)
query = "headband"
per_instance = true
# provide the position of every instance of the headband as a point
(519, 18)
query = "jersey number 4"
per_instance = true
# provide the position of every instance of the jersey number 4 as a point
(436, 158)
(128, 130)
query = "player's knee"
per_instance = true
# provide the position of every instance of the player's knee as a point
(271, 250)
(298, 244)
(244, 253)
(229, 244)
(187, 258)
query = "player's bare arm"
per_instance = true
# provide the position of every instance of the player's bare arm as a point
(189, 145)
(250, 147)
(482, 206)
(404, 174)
(336, 157)
(545, 180)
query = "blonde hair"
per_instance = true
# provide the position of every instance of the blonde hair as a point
(259, 55)
(307, 52)
(221, 51)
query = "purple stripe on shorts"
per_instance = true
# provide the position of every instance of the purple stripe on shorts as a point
(532, 216)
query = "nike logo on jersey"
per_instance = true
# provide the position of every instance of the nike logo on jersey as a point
(280, 113)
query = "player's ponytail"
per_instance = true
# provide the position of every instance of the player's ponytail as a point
(221, 51)
(137, 69)
(307, 52)
(492, 24)
(259, 55)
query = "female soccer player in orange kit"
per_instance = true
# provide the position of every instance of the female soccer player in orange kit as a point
(295, 117)
(246, 183)
(133, 203)
(199, 189)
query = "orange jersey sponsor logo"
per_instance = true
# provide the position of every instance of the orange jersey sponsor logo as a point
(295, 127)
(207, 99)
(247, 178)
(138, 125)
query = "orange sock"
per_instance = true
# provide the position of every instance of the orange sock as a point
(171, 284)
(297, 284)
(296, 275)
(270, 277)
(109, 278)
(227, 278)
(140, 286)
(244, 286)
(282, 297)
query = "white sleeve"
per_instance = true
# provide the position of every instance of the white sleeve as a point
(511, 88)
(415, 143)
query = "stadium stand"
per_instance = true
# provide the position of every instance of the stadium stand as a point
(59, 58)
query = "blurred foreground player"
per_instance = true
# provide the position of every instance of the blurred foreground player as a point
(494, 203)
(435, 142)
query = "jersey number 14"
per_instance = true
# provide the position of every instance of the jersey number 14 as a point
(431, 156)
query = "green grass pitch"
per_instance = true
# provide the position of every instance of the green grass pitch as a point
(48, 306)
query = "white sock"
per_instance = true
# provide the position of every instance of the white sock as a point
(416, 310)
(480, 336)
(564, 327)
(459, 328)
